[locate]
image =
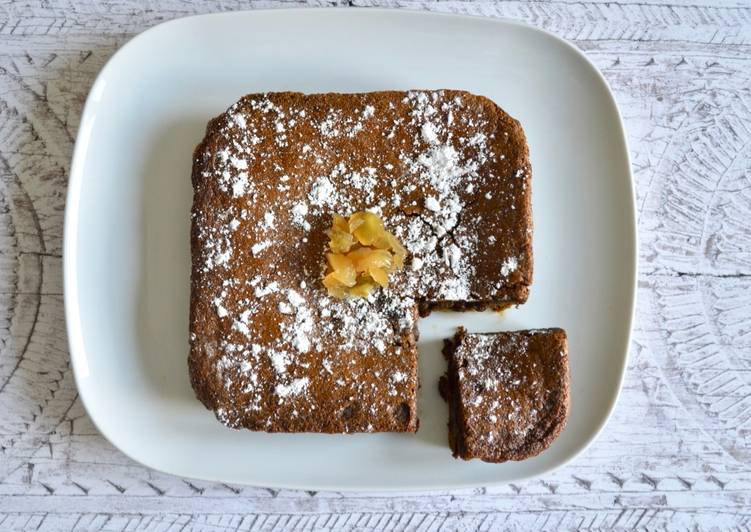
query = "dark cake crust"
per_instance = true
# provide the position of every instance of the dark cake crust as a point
(528, 406)
(274, 148)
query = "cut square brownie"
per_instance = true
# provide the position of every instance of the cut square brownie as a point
(447, 171)
(508, 393)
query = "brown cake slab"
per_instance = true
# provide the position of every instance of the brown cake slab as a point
(448, 172)
(508, 393)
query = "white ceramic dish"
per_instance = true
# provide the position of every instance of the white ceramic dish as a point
(127, 226)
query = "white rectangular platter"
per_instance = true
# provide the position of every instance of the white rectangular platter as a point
(127, 256)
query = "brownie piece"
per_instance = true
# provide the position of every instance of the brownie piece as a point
(449, 174)
(507, 393)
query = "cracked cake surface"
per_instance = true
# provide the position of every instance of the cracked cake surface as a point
(270, 350)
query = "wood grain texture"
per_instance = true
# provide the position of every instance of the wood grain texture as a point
(675, 455)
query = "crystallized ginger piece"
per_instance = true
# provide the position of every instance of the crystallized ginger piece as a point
(367, 227)
(342, 269)
(341, 241)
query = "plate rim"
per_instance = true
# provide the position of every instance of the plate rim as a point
(71, 220)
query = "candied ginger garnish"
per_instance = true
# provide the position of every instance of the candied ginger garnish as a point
(362, 254)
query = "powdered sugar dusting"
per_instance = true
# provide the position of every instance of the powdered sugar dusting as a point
(296, 387)
(509, 265)
(282, 334)
(502, 382)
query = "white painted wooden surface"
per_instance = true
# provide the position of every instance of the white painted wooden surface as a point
(676, 454)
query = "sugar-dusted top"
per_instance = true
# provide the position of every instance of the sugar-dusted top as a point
(447, 171)
(513, 391)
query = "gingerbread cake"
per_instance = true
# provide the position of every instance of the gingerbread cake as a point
(508, 393)
(270, 349)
